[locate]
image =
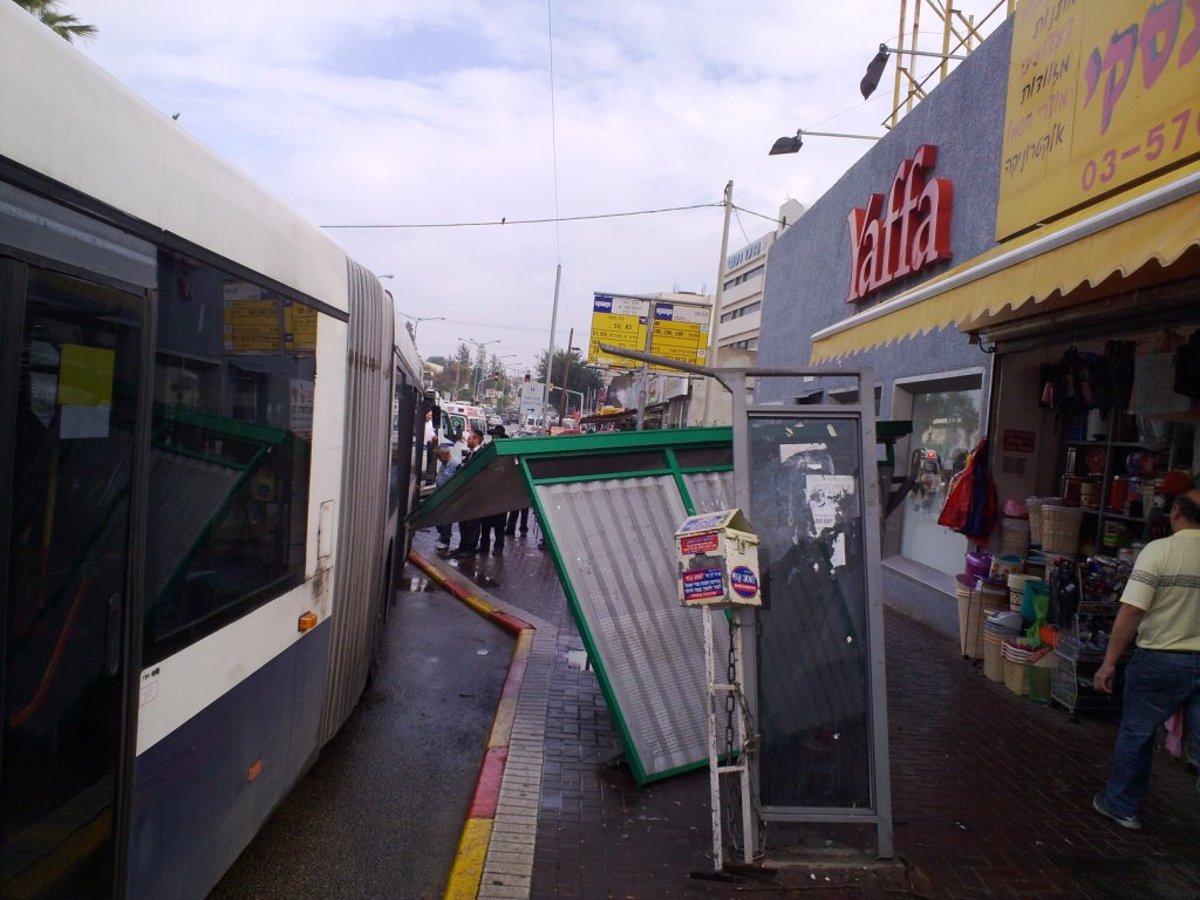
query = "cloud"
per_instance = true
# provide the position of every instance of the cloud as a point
(391, 112)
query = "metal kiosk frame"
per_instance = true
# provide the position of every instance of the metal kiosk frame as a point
(860, 415)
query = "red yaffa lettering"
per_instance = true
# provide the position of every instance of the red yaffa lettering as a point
(931, 241)
(857, 221)
(895, 222)
(909, 232)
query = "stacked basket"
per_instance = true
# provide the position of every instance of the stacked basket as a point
(1060, 529)
(1018, 657)
(1014, 536)
(998, 628)
(1035, 505)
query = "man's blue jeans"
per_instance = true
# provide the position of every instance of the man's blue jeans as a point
(1157, 682)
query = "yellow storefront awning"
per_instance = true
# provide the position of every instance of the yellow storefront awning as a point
(1157, 222)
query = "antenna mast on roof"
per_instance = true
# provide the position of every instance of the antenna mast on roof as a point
(960, 34)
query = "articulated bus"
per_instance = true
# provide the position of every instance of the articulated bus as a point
(209, 439)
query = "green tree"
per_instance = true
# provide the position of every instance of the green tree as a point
(580, 379)
(65, 25)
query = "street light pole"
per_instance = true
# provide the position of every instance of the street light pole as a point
(479, 345)
(417, 320)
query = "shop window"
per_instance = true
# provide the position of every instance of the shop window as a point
(945, 413)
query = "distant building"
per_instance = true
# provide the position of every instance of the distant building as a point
(740, 318)
(745, 278)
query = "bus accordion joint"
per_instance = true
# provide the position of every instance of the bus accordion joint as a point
(308, 621)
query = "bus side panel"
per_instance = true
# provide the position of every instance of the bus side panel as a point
(202, 792)
(358, 604)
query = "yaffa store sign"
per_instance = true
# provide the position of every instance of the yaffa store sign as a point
(904, 235)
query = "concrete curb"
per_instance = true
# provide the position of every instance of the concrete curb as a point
(495, 852)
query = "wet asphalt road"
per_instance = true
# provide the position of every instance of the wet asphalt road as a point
(380, 813)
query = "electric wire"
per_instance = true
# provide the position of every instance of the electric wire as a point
(541, 221)
(751, 212)
(741, 227)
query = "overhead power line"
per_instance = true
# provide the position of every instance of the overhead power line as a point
(545, 221)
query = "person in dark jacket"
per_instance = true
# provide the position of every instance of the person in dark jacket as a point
(468, 531)
(493, 526)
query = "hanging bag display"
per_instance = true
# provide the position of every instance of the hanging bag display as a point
(1153, 377)
(970, 505)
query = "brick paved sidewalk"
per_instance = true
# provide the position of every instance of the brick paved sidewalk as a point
(991, 792)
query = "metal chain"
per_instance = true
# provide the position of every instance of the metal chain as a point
(731, 702)
(735, 700)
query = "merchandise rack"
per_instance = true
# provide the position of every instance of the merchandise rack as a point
(1077, 657)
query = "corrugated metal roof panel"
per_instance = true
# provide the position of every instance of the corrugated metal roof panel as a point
(710, 491)
(616, 543)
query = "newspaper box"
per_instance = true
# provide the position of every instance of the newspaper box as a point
(717, 556)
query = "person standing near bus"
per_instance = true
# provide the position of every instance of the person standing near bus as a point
(493, 526)
(469, 531)
(431, 446)
(449, 467)
(1160, 607)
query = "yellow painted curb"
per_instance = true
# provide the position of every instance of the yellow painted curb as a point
(502, 724)
(468, 862)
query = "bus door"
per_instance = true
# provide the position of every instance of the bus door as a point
(70, 367)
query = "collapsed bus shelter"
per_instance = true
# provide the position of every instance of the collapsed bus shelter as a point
(609, 505)
(812, 670)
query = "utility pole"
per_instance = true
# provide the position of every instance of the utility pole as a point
(550, 349)
(714, 321)
(562, 403)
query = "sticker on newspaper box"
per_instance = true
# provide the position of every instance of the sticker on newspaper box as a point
(702, 584)
(690, 545)
(743, 581)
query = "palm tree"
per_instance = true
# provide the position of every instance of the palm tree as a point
(67, 26)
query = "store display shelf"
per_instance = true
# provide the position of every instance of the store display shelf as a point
(1104, 442)
(1109, 514)
(1073, 690)
(1072, 649)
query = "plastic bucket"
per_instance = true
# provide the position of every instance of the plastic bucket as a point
(978, 565)
(993, 659)
(962, 593)
(1015, 676)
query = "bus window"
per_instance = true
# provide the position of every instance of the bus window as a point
(229, 467)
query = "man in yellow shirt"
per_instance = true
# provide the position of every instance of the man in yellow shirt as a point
(1161, 609)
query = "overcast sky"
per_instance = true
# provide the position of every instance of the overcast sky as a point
(391, 112)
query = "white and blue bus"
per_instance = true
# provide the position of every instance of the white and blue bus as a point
(209, 438)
